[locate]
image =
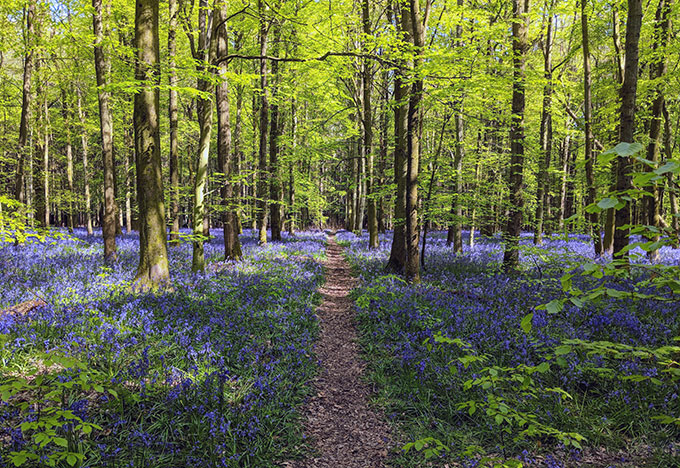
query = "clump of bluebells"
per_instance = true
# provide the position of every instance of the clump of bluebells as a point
(429, 389)
(210, 373)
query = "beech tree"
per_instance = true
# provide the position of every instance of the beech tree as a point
(153, 269)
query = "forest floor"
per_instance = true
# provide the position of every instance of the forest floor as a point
(344, 430)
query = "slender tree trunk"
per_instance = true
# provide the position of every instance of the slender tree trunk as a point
(45, 221)
(397, 260)
(205, 116)
(275, 189)
(627, 126)
(86, 175)
(367, 85)
(67, 114)
(232, 245)
(455, 233)
(291, 168)
(593, 218)
(263, 169)
(129, 148)
(26, 98)
(102, 67)
(672, 185)
(520, 45)
(173, 121)
(426, 203)
(657, 70)
(473, 215)
(153, 269)
(382, 152)
(546, 130)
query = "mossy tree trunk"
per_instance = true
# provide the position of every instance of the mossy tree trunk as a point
(153, 269)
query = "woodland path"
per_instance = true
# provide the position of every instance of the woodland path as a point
(345, 432)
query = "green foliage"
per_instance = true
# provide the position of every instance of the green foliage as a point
(505, 396)
(46, 391)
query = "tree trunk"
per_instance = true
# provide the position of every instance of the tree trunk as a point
(173, 118)
(232, 245)
(86, 175)
(129, 148)
(397, 260)
(26, 98)
(367, 85)
(45, 221)
(153, 269)
(520, 45)
(102, 67)
(204, 112)
(545, 131)
(627, 126)
(417, 30)
(593, 218)
(262, 173)
(67, 113)
(275, 186)
(657, 70)
(291, 168)
(672, 186)
(455, 233)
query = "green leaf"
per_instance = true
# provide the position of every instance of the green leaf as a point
(543, 367)
(616, 293)
(670, 166)
(60, 441)
(607, 203)
(526, 322)
(562, 350)
(622, 149)
(71, 459)
(554, 307)
(18, 458)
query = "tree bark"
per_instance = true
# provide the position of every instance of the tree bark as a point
(367, 85)
(545, 136)
(263, 169)
(173, 118)
(84, 141)
(275, 185)
(26, 98)
(397, 260)
(67, 114)
(593, 218)
(417, 32)
(657, 70)
(102, 67)
(204, 112)
(129, 148)
(153, 269)
(232, 245)
(627, 125)
(455, 232)
(520, 45)
(672, 185)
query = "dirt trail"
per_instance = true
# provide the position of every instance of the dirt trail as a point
(344, 430)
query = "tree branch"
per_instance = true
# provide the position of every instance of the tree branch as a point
(377, 58)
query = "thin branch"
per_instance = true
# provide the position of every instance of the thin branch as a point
(377, 58)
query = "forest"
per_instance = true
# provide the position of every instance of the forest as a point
(352, 233)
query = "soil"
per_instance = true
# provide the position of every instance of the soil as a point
(345, 431)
